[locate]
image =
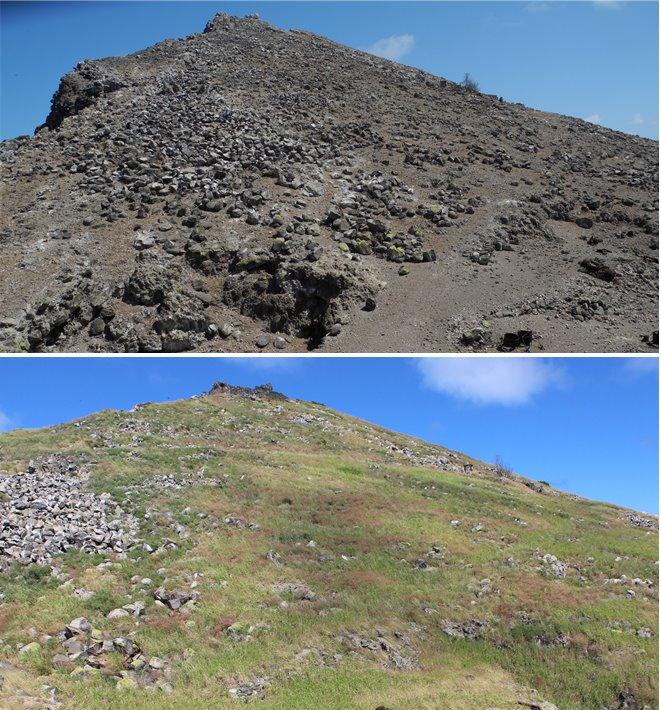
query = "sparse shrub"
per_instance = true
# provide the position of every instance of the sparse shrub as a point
(501, 468)
(36, 574)
(39, 662)
(544, 483)
(469, 84)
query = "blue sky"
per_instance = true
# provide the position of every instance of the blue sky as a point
(596, 60)
(586, 425)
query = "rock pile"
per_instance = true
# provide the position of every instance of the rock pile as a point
(48, 510)
(639, 521)
(88, 651)
(245, 690)
(174, 482)
(551, 564)
(294, 590)
(176, 600)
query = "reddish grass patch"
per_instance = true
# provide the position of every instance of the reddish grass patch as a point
(507, 612)
(539, 593)
(171, 622)
(224, 622)
(4, 620)
(360, 579)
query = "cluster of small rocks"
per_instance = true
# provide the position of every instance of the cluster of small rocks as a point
(174, 482)
(247, 690)
(176, 600)
(642, 632)
(471, 629)
(46, 511)
(390, 649)
(135, 609)
(88, 651)
(240, 523)
(295, 590)
(485, 587)
(308, 418)
(643, 585)
(241, 631)
(358, 234)
(551, 564)
(639, 521)
(418, 458)
(544, 640)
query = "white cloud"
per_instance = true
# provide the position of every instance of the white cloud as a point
(594, 118)
(608, 4)
(538, 6)
(637, 120)
(5, 421)
(641, 366)
(393, 47)
(265, 364)
(507, 381)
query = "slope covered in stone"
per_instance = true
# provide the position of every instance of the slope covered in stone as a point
(245, 546)
(249, 187)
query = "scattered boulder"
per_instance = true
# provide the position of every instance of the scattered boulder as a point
(513, 341)
(598, 269)
(248, 689)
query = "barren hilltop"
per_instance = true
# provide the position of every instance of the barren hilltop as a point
(244, 545)
(252, 188)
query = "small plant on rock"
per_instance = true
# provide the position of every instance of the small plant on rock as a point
(469, 84)
(502, 469)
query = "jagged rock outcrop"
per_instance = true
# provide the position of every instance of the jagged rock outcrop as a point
(80, 89)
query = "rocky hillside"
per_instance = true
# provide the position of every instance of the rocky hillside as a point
(253, 188)
(242, 546)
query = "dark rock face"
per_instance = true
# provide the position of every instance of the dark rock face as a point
(598, 269)
(627, 701)
(294, 297)
(520, 339)
(81, 88)
(252, 188)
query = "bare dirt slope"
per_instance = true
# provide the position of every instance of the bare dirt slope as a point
(249, 187)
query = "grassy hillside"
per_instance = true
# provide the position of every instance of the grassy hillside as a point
(332, 564)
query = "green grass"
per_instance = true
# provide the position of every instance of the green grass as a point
(371, 514)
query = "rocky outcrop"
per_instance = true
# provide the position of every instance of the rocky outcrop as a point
(260, 391)
(81, 88)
